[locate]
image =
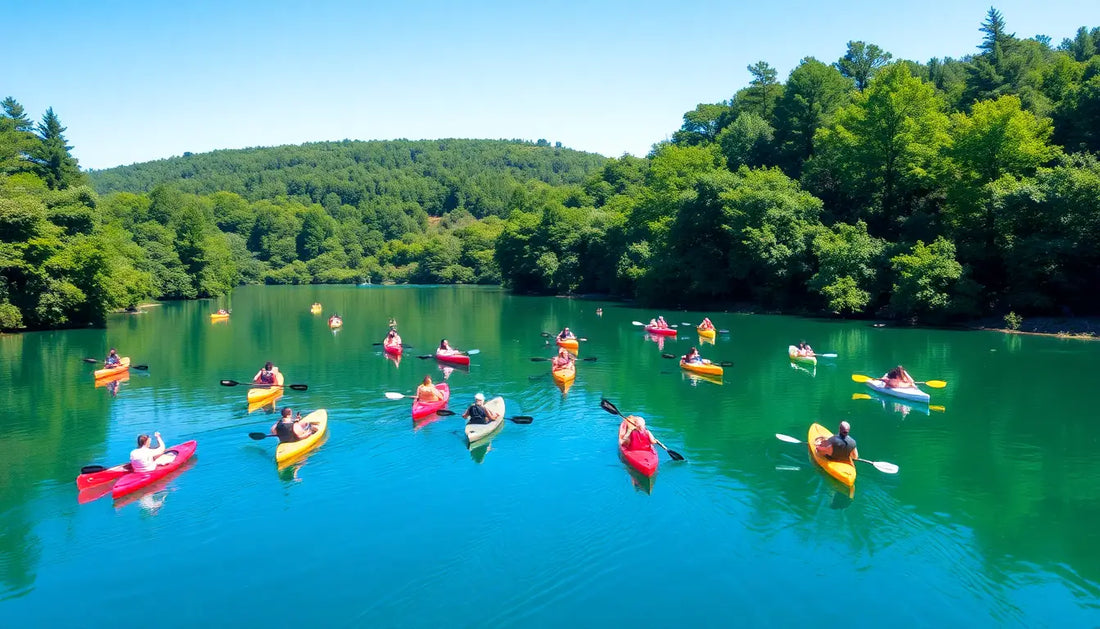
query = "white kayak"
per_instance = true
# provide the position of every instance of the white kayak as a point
(905, 393)
(477, 432)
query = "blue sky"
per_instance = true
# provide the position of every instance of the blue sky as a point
(135, 81)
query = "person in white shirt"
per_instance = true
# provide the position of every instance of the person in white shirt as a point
(146, 458)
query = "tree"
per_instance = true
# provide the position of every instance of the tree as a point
(17, 139)
(848, 259)
(747, 142)
(702, 124)
(764, 85)
(814, 91)
(861, 62)
(925, 280)
(999, 138)
(995, 41)
(55, 164)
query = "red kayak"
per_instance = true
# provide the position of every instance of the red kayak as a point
(423, 409)
(392, 350)
(661, 331)
(134, 481)
(105, 475)
(456, 358)
(645, 461)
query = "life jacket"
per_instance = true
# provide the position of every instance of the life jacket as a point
(267, 377)
(285, 432)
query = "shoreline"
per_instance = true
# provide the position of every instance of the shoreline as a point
(1077, 328)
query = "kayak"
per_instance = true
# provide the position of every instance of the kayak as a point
(661, 331)
(454, 356)
(569, 344)
(423, 409)
(906, 393)
(564, 374)
(645, 461)
(707, 334)
(792, 353)
(477, 432)
(261, 393)
(315, 308)
(136, 480)
(335, 323)
(288, 451)
(394, 349)
(218, 317)
(107, 475)
(709, 369)
(843, 471)
(123, 367)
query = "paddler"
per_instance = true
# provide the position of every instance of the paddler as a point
(290, 428)
(898, 378)
(694, 357)
(633, 434)
(706, 324)
(839, 447)
(565, 334)
(427, 392)
(393, 338)
(445, 347)
(477, 413)
(265, 376)
(146, 458)
(112, 359)
(562, 359)
(804, 349)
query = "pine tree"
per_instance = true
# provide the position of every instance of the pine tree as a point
(55, 164)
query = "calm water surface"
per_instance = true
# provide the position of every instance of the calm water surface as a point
(991, 520)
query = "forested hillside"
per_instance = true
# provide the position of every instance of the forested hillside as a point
(863, 186)
(934, 191)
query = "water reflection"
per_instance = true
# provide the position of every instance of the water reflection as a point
(810, 370)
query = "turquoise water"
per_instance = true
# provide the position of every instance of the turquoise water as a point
(990, 521)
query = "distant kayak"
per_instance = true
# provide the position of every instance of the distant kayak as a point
(453, 356)
(288, 451)
(335, 323)
(661, 331)
(423, 409)
(136, 480)
(707, 334)
(315, 308)
(792, 353)
(480, 432)
(123, 367)
(906, 393)
(843, 471)
(216, 316)
(260, 393)
(709, 369)
(392, 349)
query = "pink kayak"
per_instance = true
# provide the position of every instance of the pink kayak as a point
(423, 409)
(91, 479)
(393, 350)
(661, 331)
(645, 461)
(452, 357)
(136, 480)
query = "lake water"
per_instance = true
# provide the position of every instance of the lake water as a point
(991, 521)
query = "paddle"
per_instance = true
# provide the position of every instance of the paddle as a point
(935, 384)
(296, 387)
(882, 466)
(93, 361)
(723, 363)
(519, 419)
(548, 335)
(931, 407)
(606, 405)
(472, 352)
(825, 355)
(536, 359)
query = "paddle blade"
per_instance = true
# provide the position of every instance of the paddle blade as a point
(229, 383)
(590, 359)
(299, 387)
(884, 467)
(536, 359)
(140, 367)
(394, 395)
(667, 356)
(937, 407)
(91, 469)
(422, 357)
(90, 360)
(860, 378)
(860, 396)
(787, 438)
(936, 384)
(522, 419)
(258, 436)
(684, 323)
(723, 331)
(676, 456)
(544, 334)
(444, 412)
(606, 405)
(473, 352)
(637, 323)
(826, 355)
(726, 363)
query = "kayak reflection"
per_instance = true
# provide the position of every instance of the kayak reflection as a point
(152, 497)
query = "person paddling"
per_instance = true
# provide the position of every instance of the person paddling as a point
(694, 357)
(445, 348)
(804, 349)
(898, 378)
(633, 435)
(563, 359)
(478, 413)
(427, 392)
(839, 447)
(112, 359)
(565, 334)
(290, 428)
(706, 324)
(265, 376)
(146, 457)
(393, 339)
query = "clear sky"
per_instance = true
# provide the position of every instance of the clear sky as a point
(135, 81)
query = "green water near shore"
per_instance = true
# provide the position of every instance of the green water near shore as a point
(990, 520)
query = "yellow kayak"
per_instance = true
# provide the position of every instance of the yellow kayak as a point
(260, 394)
(294, 449)
(565, 374)
(123, 367)
(708, 369)
(215, 316)
(707, 334)
(843, 471)
(315, 308)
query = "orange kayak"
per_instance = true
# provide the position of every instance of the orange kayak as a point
(123, 367)
(843, 471)
(569, 344)
(564, 374)
(261, 393)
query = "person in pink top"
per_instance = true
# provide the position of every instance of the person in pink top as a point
(634, 435)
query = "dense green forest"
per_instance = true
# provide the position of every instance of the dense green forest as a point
(866, 186)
